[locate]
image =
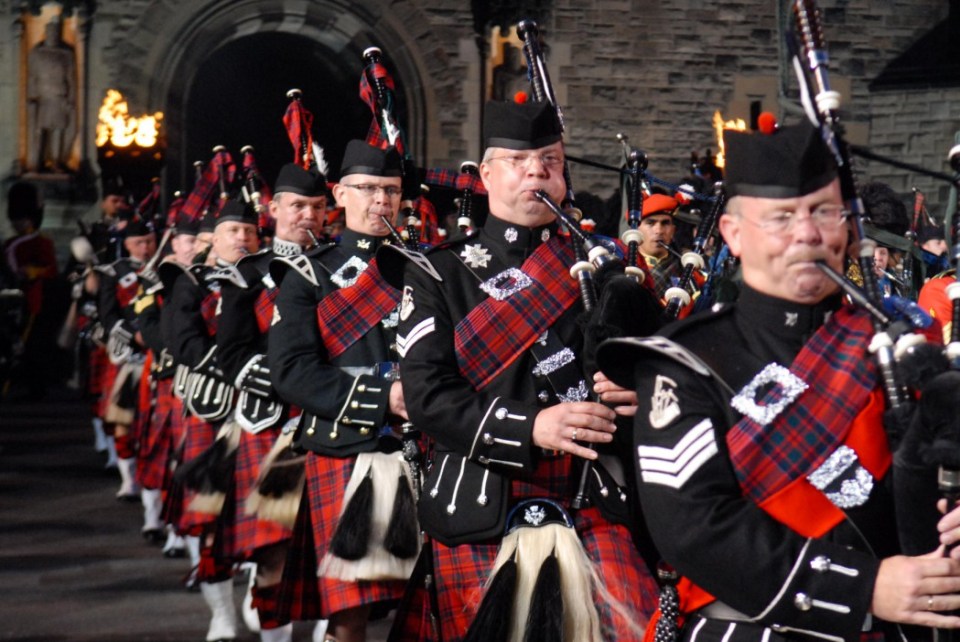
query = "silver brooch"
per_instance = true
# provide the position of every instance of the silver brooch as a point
(579, 393)
(349, 272)
(506, 284)
(790, 387)
(534, 515)
(791, 319)
(363, 244)
(542, 339)
(856, 482)
(545, 235)
(392, 320)
(510, 234)
(554, 362)
(476, 256)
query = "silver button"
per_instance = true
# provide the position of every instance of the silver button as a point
(820, 563)
(354, 404)
(362, 388)
(802, 601)
(346, 420)
(482, 500)
(501, 413)
(488, 439)
(451, 509)
(483, 460)
(543, 396)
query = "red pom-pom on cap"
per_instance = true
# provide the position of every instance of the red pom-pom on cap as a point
(767, 123)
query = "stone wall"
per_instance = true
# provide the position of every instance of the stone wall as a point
(656, 70)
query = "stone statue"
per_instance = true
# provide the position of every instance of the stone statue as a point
(510, 76)
(51, 102)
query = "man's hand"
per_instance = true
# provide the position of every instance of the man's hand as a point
(623, 400)
(911, 590)
(560, 427)
(397, 406)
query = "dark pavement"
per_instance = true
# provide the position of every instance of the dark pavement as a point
(73, 566)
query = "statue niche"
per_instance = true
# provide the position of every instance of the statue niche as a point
(51, 102)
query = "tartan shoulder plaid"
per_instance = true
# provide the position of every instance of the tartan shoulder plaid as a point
(495, 333)
(840, 374)
(347, 314)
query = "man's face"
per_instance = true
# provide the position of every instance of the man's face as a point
(184, 248)
(657, 229)
(366, 200)
(112, 205)
(296, 214)
(881, 259)
(935, 246)
(232, 240)
(781, 263)
(512, 177)
(140, 248)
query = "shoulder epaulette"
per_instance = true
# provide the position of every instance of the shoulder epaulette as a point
(229, 274)
(302, 264)
(391, 260)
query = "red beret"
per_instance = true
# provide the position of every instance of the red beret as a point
(659, 204)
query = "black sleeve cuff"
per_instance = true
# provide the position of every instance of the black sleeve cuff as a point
(827, 594)
(504, 436)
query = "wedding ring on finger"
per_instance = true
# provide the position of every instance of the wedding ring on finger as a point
(574, 436)
(929, 602)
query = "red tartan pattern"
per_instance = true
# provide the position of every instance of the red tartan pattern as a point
(251, 533)
(126, 294)
(496, 333)
(206, 186)
(208, 310)
(299, 591)
(263, 308)
(156, 445)
(266, 601)
(109, 376)
(346, 315)
(455, 180)
(368, 94)
(99, 362)
(299, 124)
(199, 437)
(146, 392)
(327, 478)
(461, 573)
(841, 374)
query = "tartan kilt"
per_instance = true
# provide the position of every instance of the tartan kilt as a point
(299, 597)
(156, 446)
(98, 363)
(327, 479)
(251, 533)
(146, 396)
(199, 436)
(108, 374)
(462, 571)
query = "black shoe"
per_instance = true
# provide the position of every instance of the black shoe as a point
(154, 536)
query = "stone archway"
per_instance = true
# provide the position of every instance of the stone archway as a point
(160, 50)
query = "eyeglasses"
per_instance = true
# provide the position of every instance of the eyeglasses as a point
(371, 190)
(516, 161)
(824, 217)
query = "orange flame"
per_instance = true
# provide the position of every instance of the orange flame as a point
(719, 125)
(117, 126)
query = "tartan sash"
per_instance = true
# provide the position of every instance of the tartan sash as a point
(208, 310)
(263, 308)
(841, 375)
(495, 333)
(346, 315)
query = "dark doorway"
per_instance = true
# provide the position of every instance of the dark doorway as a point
(238, 98)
